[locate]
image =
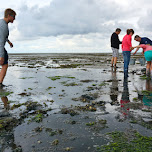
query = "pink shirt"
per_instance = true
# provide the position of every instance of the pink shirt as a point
(146, 47)
(126, 43)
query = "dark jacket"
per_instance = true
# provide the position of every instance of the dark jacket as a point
(115, 41)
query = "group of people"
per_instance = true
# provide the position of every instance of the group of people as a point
(144, 43)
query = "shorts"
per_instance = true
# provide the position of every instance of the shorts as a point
(147, 100)
(148, 55)
(115, 52)
(5, 57)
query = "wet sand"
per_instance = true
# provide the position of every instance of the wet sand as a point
(68, 102)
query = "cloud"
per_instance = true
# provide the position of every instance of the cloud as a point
(145, 25)
(69, 17)
(145, 21)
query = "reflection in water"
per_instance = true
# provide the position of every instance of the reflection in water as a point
(6, 137)
(5, 101)
(114, 87)
(124, 100)
(147, 97)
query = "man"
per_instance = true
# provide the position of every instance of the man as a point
(147, 41)
(9, 17)
(115, 46)
(143, 40)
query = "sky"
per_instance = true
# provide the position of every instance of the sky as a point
(74, 26)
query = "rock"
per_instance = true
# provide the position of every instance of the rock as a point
(4, 114)
(55, 142)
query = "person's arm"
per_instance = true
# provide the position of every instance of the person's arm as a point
(136, 49)
(10, 43)
(1, 55)
(2, 40)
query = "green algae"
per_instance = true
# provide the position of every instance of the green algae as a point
(54, 78)
(144, 77)
(142, 123)
(59, 77)
(90, 124)
(72, 84)
(135, 99)
(70, 66)
(146, 92)
(127, 142)
(103, 84)
(4, 94)
(38, 118)
(26, 78)
(1, 126)
(17, 105)
(7, 122)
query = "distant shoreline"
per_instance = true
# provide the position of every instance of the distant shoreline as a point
(108, 53)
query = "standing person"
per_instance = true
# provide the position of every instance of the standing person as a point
(126, 50)
(147, 50)
(9, 17)
(115, 46)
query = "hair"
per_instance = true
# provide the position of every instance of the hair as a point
(118, 30)
(130, 31)
(9, 11)
(137, 36)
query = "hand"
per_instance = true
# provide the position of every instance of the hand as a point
(134, 53)
(11, 45)
(131, 48)
(142, 53)
(1, 61)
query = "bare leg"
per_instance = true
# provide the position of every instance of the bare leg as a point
(3, 72)
(112, 60)
(115, 61)
(151, 69)
(148, 68)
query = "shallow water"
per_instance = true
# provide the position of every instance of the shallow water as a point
(89, 80)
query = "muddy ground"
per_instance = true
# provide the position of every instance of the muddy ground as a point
(69, 102)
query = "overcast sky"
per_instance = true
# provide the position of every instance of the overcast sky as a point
(51, 26)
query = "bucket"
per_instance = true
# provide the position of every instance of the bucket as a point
(142, 61)
(132, 61)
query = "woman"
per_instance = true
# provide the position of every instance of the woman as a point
(147, 50)
(126, 50)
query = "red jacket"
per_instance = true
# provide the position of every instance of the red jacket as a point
(126, 43)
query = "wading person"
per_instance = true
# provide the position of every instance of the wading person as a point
(9, 17)
(126, 50)
(115, 42)
(147, 41)
(147, 50)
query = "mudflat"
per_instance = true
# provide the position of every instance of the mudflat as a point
(75, 102)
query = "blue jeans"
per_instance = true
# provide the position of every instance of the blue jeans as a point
(126, 56)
